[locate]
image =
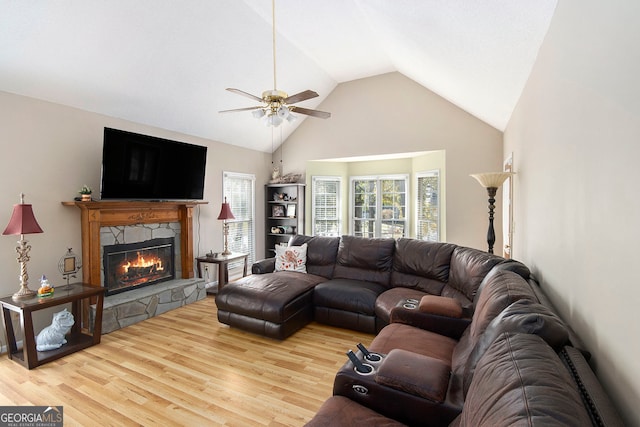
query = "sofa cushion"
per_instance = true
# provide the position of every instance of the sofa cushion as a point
(410, 338)
(355, 296)
(421, 265)
(521, 381)
(291, 258)
(498, 290)
(365, 259)
(321, 253)
(523, 316)
(468, 268)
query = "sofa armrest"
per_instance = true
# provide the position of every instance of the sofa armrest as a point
(452, 327)
(267, 265)
(415, 374)
(443, 306)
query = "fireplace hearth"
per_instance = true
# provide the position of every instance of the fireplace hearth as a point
(105, 223)
(134, 265)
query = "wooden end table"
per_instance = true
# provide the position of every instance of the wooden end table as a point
(223, 263)
(77, 338)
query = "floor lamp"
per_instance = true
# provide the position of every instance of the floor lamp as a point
(226, 214)
(491, 181)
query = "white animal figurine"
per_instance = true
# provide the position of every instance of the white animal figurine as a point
(52, 336)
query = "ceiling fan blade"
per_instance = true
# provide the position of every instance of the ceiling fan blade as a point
(302, 96)
(243, 93)
(241, 109)
(312, 113)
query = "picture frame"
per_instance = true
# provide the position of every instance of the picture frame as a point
(69, 265)
(291, 211)
(277, 211)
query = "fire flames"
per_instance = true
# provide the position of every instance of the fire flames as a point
(151, 263)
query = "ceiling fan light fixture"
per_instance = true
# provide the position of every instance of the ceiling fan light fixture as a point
(283, 112)
(272, 120)
(291, 118)
(258, 113)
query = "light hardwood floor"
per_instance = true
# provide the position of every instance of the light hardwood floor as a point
(185, 368)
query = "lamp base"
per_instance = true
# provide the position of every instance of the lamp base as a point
(23, 249)
(24, 293)
(225, 229)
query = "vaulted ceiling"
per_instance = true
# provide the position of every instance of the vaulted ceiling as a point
(166, 63)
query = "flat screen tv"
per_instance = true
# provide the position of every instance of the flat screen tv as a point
(141, 167)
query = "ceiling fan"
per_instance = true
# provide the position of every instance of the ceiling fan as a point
(278, 105)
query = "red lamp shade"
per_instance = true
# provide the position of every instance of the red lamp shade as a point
(225, 211)
(22, 221)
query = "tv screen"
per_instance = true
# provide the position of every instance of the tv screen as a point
(141, 167)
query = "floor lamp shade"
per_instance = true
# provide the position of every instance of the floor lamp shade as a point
(491, 181)
(22, 222)
(226, 214)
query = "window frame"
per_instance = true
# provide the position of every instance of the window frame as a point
(226, 175)
(378, 220)
(419, 220)
(338, 195)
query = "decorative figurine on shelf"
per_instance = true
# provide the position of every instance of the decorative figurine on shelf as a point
(52, 336)
(45, 288)
(275, 173)
(85, 193)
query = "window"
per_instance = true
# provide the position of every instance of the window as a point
(325, 206)
(428, 215)
(379, 206)
(239, 189)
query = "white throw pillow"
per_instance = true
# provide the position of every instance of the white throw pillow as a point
(291, 258)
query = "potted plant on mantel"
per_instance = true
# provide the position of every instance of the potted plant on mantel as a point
(85, 193)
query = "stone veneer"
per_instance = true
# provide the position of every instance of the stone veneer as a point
(139, 233)
(127, 308)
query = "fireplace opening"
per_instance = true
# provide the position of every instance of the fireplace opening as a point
(134, 265)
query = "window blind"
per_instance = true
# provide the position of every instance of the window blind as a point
(239, 189)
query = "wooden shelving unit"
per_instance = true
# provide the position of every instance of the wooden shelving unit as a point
(284, 214)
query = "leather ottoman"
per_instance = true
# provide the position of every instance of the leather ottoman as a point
(273, 305)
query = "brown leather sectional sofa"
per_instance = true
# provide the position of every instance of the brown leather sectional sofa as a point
(355, 283)
(464, 338)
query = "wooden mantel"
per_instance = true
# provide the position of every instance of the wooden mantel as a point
(118, 213)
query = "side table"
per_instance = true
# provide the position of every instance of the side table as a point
(223, 263)
(77, 338)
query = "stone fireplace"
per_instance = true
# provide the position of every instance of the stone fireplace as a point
(116, 231)
(129, 266)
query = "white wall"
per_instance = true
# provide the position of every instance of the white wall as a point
(50, 151)
(392, 114)
(575, 135)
